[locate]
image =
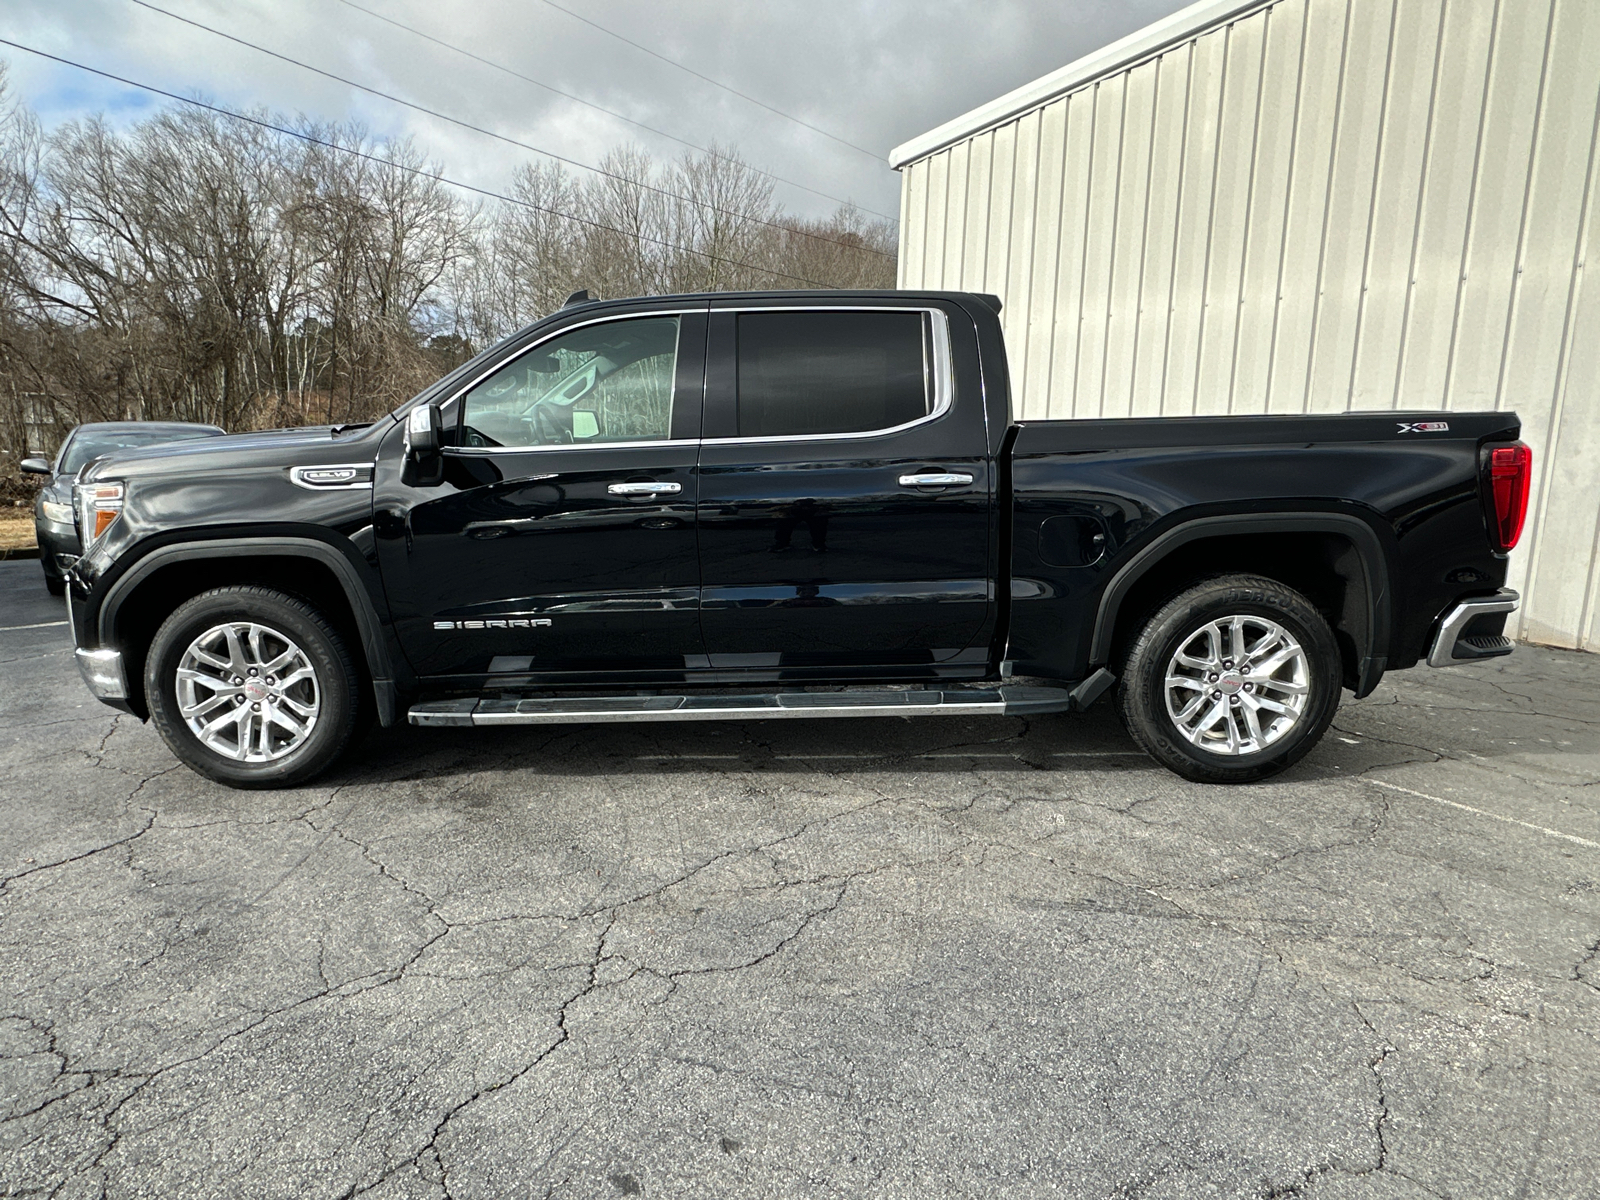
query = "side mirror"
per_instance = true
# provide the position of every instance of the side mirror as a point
(424, 465)
(35, 466)
(424, 431)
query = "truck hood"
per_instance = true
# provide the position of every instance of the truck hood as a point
(268, 447)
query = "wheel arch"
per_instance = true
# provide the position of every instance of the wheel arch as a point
(144, 595)
(1345, 547)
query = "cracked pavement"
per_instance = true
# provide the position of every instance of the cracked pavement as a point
(963, 957)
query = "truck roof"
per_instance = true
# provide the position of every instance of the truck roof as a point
(989, 301)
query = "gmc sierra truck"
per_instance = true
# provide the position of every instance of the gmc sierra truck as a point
(784, 504)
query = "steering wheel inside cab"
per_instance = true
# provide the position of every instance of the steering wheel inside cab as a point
(550, 424)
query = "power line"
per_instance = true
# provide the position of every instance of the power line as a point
(714, 82)
(610, 112)
(639, 183)
(262, 123)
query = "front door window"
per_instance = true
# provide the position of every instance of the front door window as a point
(611, 382)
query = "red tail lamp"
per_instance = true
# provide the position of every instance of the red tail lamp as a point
(1510, 469)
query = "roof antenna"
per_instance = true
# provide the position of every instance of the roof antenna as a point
(580, 296)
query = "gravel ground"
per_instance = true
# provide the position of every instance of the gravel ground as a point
(869, 958)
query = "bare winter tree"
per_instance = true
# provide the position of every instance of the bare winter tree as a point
(19, 351)
(723, 223)
(200, 267)
(530, 255)
(627, 223)
(381, 238)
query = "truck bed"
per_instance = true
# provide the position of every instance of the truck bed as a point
(1390, 497)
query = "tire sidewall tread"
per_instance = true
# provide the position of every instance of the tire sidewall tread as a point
(337, 679)
(1141, 697)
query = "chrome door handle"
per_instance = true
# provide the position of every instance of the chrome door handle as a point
(645, 489)
(935, 479)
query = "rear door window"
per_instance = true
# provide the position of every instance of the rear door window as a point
(807, 373)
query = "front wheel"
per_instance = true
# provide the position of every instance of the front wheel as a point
(1232, 681)
(252, 687)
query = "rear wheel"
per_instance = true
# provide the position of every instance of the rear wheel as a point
(1231, 681)
(252, 687)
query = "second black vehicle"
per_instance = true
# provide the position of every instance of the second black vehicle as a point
(778, 505)
(55, 528)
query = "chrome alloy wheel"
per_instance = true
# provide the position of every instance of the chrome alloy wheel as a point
(1237, 685)
(248, 692)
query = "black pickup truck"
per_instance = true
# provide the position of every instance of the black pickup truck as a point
(784, 504)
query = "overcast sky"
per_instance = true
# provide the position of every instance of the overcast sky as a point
(873, 73)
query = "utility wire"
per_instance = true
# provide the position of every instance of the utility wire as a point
(879, 158)
(639, 183)
(262, 123)
(610, 112)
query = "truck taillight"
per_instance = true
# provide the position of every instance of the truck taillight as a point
(1509, 470)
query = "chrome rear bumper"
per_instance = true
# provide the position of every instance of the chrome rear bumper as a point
(1450, 648)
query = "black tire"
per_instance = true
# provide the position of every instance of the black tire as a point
(336, 682)
(56, 585)
(1181, 624)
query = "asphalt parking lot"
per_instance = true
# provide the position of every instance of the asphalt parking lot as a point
(875, 958)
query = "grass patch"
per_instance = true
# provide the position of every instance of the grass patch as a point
(16, 529)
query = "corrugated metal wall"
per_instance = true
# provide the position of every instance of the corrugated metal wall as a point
(1326, 205)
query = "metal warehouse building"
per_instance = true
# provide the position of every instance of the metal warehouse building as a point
(1303, 206)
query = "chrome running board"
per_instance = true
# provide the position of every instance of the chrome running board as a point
(562, 710)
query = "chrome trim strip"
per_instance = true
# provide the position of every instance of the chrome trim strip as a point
(943, 378)
(1444, 642)
(943, 375)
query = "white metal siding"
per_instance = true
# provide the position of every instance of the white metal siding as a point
(1321, 205)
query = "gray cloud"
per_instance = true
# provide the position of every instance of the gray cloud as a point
(875, 73)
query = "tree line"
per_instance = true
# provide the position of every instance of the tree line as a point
(198, 267)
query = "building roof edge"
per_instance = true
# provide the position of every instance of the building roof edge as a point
(1144, 43)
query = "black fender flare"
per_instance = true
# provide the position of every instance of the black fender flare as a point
(1374, 656)
(374, 645)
